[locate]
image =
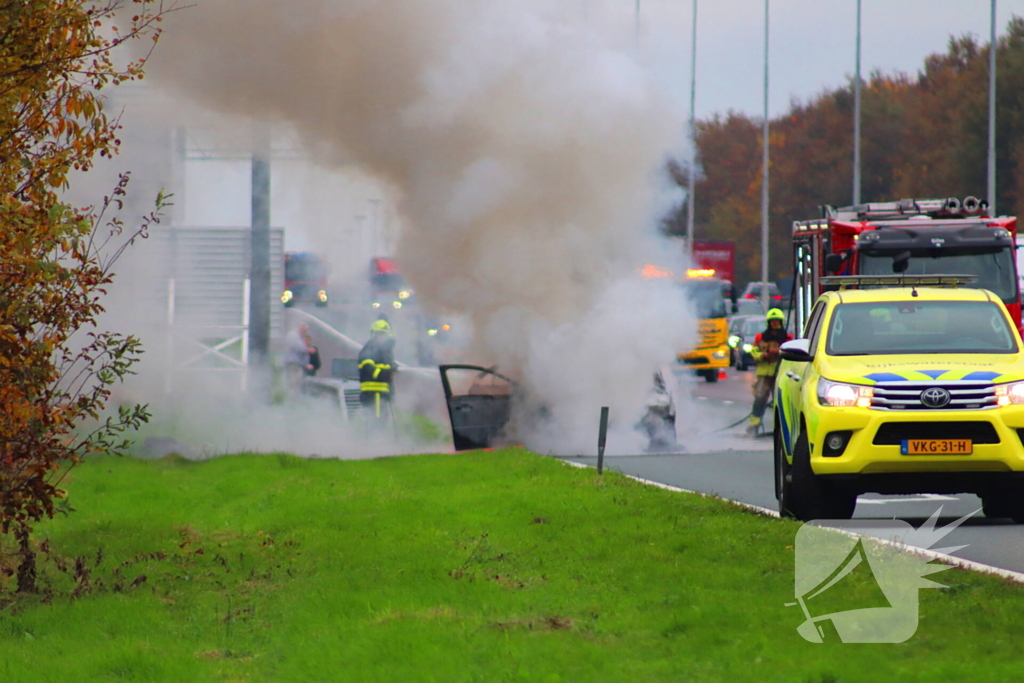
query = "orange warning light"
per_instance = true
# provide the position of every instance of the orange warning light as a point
(652, 272)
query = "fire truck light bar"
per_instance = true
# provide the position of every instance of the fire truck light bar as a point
(898, 280)
(906, 208)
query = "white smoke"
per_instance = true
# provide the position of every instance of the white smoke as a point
(520, 149)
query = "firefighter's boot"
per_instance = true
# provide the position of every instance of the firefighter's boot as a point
(753, 425)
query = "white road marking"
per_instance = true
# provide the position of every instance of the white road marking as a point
(727, 403)
(702, 398)
(923, 498)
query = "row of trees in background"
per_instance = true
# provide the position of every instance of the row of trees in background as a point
(921, 137)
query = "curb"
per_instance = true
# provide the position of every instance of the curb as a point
(960, 563)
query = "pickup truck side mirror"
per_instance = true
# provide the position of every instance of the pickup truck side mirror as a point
(797, 350)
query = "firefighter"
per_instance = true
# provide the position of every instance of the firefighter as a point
(376, 365)
(766, 355)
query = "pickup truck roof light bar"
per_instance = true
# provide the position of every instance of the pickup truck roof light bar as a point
(844, 281)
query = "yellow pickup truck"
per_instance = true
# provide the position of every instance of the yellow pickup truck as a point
(901, 388)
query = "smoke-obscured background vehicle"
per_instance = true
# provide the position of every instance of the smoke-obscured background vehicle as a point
(742, 330)
(711, 354)
(305, 279)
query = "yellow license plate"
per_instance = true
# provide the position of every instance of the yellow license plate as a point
(937, 447)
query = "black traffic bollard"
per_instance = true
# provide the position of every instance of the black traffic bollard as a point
(601, 434)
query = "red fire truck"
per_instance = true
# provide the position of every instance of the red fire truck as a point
(911, 236)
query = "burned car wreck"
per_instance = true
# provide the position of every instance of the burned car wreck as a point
(483, 404)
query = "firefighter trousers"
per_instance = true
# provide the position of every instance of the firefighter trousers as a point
(764, 387)
(376, 404)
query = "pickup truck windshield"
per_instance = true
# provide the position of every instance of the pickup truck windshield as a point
(995, 271)
(919, 327)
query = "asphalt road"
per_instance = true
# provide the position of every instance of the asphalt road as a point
(730, 464)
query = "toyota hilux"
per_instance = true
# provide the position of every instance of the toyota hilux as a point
(899, 387)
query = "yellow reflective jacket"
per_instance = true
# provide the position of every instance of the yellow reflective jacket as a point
(763, 341)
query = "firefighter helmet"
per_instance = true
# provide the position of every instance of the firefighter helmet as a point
(380, 326)
(776, 314)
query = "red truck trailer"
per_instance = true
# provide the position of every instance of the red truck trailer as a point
(717, 259)
(716, 255)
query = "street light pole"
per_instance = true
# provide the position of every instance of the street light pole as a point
(764, 171)
(259, 267)
(360, 254)
(693, 136)
(992, 115)
(636, 28)
(376, 233)
(856, 117)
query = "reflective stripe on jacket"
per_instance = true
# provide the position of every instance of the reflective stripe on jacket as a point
(379, 387)
(376, 363)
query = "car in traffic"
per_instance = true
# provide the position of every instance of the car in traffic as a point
(754, 290)
(742, 331)
(903, 388)
(745, 307)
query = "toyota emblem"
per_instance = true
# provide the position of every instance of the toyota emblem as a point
(936, 397)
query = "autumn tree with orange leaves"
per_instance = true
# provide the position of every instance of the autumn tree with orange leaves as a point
(56, 367)
(923, 135)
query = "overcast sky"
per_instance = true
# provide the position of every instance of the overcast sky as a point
(812, 43)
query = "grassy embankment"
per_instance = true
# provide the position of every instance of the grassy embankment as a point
(501, 566)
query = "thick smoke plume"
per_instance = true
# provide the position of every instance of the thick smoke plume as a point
(520, 149)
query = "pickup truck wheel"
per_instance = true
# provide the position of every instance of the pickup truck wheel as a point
(812, 498)
(1003, 504)
(710, 376)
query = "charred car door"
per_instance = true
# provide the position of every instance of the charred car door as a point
(479, 404)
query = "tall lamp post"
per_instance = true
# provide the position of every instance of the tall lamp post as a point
(856, 116)
(693, 136)
(992, 115)
(764, 171)
(636, 28)
(259, 267)
(360, 253)
(376, 232)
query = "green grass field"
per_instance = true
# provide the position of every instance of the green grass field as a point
(501, 566)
